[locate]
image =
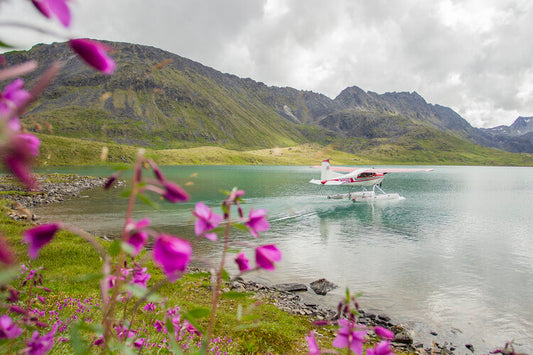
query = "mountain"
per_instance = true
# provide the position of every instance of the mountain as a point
(518, 137)
(161, 100)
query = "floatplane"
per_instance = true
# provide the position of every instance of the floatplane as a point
(363, 177)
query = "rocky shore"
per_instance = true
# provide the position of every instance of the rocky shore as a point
(286, 298)
(53, 188)
(59, 187)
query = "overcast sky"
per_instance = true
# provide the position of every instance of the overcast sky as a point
(475, 56)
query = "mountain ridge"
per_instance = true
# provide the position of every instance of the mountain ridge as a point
(162, 100)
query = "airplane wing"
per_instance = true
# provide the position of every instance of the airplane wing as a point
(394, 170)
(330, 182)
(374, 170)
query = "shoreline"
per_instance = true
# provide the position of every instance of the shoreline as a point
(56, 188)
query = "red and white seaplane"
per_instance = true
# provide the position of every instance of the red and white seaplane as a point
(363, 177)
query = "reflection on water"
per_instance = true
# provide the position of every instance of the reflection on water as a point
(455, 257)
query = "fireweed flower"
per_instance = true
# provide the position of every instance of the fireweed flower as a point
(311, 344)
(381, 348)
(140, 277)
(8, 330)
(348, 337)
(38, 345)
(172, 255)
(57, 8)
(94, 53)
(243, 262)
(18, 155)
(206, 221)
(266, 255)
(137, 237)
(174, 193)
(12, 97)
(257, 222)
(384, 333)
(39, 236)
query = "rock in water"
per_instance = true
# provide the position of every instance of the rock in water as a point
(322, 286)
(291, 287)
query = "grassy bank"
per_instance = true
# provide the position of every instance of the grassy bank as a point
(71, 269)
(57, 151)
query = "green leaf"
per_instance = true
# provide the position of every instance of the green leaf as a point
(141, 292)
(5, 45)
(115, 247)
(247, 326)
(126, 247)
(125, 193)
(197, 313)
(78, 344)
(233, 251)
(225, 275)
(239, 312)
(240, 226)
(173, 344)
(8, 275)
(147, 201)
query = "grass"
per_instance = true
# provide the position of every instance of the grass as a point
(57, 151)
(71, 269)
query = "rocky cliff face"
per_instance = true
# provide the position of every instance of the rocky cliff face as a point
(162, 100)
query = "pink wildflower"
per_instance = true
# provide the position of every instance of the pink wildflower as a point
(311, 344)
(172, 255)
(266, 255)
(348, 337)
(11, 98)
(38, 345)
(384, 333)
(58, 8)
(137, 236)
(94, 53)
(6, 255)
(38, 237)
(257, 222)
(140, 276)
(18, 155)
(381, 348)
(206, 221)
(174, 193)
(8, 330)
(243, 262)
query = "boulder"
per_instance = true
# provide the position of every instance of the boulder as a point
(322, 286)
(291, 287)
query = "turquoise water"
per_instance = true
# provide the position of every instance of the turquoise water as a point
(454, 257)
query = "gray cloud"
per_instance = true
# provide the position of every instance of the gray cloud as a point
(474, 56)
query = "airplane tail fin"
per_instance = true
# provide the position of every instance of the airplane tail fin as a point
(324, 170)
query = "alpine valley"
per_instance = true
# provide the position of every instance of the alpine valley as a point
(161, 101)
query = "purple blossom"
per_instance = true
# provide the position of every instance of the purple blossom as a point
(149, 307)
(8, 329)
(381, 348)
(206, 221)
(94, 53)
(174, 193)
(38, 237)
(384, 333)
(137, 236)
(6, 255)
(140, 277)
(58, 8)
(348, 337)
(19, 154)
(172, 255)
(243, 262)
(38, 345)
(311, 344)
(257, 221)
(266, 255)
(12, 97)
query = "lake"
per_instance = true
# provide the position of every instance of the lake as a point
(454, 257)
